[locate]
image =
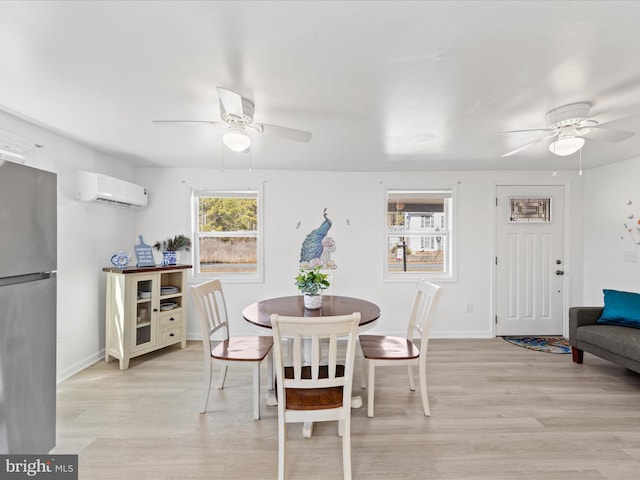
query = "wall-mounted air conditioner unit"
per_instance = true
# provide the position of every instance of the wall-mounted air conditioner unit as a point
(96, 187)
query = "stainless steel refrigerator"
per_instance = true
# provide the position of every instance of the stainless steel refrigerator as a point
(27, 309)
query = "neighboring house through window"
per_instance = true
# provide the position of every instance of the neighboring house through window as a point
(227, 227)
(418, 233)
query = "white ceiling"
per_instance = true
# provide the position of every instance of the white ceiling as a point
(383, 85)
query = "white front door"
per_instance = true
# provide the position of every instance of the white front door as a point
(529, 262)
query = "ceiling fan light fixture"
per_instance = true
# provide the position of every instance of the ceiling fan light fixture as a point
(566, 145)
(237, 140)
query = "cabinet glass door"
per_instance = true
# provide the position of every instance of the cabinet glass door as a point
(145, 313)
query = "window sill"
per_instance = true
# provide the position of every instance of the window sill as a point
(228, 278)
(417, 276)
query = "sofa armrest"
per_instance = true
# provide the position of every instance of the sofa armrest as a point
(579, 316)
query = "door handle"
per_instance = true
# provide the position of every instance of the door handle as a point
(559, 272)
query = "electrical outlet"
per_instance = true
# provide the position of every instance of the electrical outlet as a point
(469, 308)
(630, 256)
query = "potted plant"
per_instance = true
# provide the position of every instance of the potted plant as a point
(170, 248)
(311, 283)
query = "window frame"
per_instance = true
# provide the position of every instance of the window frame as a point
(229, 192)
(449, 273)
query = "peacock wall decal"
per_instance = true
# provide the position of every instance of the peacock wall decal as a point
(317, 246)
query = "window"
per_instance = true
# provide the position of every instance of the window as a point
(426, 221)
(530, 210)
(227, 226)
(418, 233)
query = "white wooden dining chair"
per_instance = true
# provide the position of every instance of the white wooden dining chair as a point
(321, 391)
(221, 349)
(379, 350)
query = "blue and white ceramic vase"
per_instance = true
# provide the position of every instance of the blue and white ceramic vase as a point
(169, 258)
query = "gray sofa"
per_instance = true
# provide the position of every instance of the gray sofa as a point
(620, 345)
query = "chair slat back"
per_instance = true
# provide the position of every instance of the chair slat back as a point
(309, 331)
(211, 309)
(422, 312)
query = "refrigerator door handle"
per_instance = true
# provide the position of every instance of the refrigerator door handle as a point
(30, 277)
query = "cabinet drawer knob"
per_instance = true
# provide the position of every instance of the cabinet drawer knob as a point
(172, 335)
(171, 319)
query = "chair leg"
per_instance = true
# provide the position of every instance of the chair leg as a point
(282, 435)
(412, 384)
(271, 370)
(206, 386)
(422, 373)
(363, 372)
(256, 391)
(223, 376)
(270, 398)
(371, 386)
(346, 449)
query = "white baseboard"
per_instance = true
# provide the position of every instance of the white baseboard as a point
(62, 375)
(457, 334)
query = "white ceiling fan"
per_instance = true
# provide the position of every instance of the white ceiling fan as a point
(570, 125)
(236, 113)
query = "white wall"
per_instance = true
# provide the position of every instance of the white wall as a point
(292, 197)
(608, 191)
(88, 234)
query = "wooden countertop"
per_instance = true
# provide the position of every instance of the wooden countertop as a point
(155, 268)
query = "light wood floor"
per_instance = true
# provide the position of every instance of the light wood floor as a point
(498, 411)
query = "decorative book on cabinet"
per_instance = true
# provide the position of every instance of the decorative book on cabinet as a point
(146, 309)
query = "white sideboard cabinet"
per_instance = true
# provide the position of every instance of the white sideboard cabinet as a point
(146, 309)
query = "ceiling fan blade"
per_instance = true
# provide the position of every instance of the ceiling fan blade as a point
(531, 130)
(617, 114)
(526, 145)
(180, 122)
(284, 132)
(598, 132)
(231, 102)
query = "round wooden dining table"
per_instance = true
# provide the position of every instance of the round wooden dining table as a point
(259, 314)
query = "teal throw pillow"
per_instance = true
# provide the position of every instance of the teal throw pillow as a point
(621, 308)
